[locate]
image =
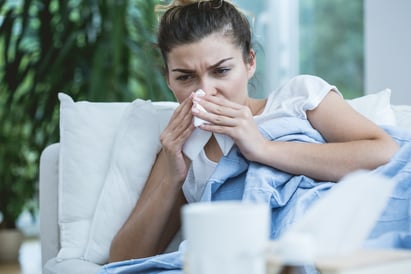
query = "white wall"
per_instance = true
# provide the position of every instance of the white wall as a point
(388, 48)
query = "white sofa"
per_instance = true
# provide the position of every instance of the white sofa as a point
(50, 230)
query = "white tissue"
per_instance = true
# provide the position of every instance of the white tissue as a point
(340, 222)
(199, 138)
(198, 121)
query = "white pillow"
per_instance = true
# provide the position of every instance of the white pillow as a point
(403, 115)
(136, 146)
(376, 107)
(87, 132)
(103, 146)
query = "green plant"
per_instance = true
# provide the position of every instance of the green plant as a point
(93, 50)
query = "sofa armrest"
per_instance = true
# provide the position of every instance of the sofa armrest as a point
(48, 193)
(71, 266)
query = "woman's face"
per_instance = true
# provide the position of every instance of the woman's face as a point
(213, 64)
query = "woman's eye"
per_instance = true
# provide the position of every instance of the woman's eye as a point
(221, 71)
(184, 77)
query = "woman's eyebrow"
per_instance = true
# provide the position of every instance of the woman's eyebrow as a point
(211, 67)
(182, 70)
(220, 62)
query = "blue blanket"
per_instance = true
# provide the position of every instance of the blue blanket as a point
(290, 196)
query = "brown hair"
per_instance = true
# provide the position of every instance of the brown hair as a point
(188, 21)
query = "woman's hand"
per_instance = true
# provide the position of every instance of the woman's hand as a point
(173, 138)
(232, 119)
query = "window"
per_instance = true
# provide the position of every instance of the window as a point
(332, 43)
(319, 37)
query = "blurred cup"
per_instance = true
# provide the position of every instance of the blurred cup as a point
(227, 237)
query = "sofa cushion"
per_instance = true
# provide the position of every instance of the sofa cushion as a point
(102, 147)
(87, 132)
(133, 154)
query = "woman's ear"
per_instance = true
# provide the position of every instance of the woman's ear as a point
(167, 77)
(251, 63)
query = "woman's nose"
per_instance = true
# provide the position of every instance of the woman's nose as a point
(208, 87)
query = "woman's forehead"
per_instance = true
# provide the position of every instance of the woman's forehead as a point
(209, 50)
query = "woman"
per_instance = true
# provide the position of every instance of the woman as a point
(207, 45)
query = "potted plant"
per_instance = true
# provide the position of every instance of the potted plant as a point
(91, 50)
(18, 177)
(32, 71)
(11, 205)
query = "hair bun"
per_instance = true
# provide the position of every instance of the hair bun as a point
(182, 3)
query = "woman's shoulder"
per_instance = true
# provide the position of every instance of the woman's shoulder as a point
(299, 94)
(305, 83)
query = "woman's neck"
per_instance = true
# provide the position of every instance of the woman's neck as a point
(256, 105)
(213, 150)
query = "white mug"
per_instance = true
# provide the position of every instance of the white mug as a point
(227, 237)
